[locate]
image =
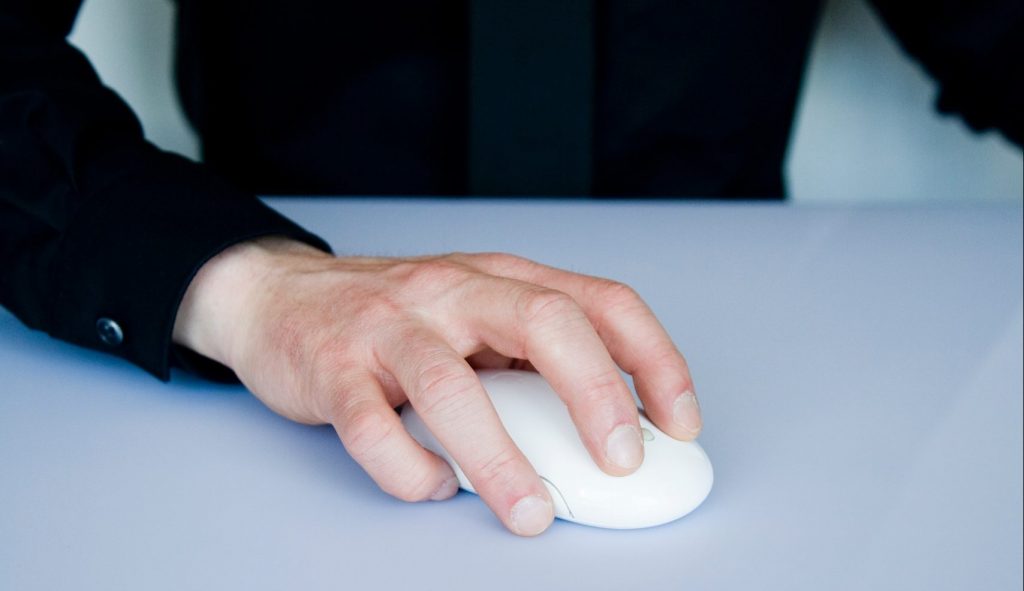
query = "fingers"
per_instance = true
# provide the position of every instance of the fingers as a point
(547, 327)
(373, 435)
(632, 334)
(446, 393)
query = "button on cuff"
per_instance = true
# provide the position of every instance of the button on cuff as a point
(110, 332)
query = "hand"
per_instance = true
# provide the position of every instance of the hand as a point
(344, 341)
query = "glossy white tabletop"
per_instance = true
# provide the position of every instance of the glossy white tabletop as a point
(860, 372)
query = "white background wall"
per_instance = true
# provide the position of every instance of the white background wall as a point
(866, 129)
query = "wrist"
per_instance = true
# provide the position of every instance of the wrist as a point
(221, 302)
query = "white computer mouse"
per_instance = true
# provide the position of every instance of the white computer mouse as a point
(674, 479)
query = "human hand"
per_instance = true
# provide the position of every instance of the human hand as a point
(322, 339)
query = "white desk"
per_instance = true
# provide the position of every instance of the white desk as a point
(860, 372)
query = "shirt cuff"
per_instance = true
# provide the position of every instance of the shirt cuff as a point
(133, 247)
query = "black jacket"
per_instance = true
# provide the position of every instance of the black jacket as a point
(317, 97)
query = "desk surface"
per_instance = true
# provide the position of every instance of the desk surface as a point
(860, 372)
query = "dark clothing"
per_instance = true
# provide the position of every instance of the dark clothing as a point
(315, 97)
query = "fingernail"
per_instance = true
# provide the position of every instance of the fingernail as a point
(531, 515)
(447, 489)
(625, 448)
(686, 412)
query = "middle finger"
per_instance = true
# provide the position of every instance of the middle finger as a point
(549, 329)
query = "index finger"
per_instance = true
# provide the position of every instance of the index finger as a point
(447, 395)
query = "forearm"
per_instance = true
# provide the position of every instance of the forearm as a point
(95, 222)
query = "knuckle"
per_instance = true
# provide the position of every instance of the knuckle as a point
(602, 384)
(436, 272)
(365, 433)
(671, 367)
(442, 386)
(376, 308)
(325, 380)
(411, 487)
(603, 393)
(615, 293)
(329, 390)
(504, 265)
(615, 299)
(499, 471)
(428, 282)
(461, 258)
(333, 368)
(542, 306)
(504, 260)
(666, 354)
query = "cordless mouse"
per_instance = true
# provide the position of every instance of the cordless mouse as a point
(673, 480)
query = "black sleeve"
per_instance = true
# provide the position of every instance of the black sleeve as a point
(973, 48)
(95, 222)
